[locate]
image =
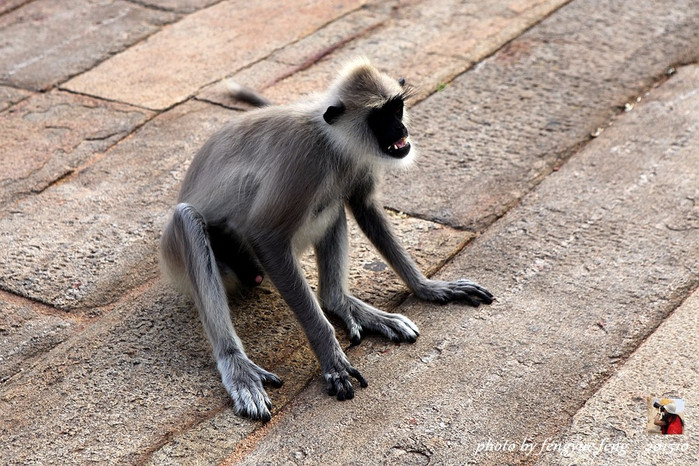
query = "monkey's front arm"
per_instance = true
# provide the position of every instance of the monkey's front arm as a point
(277, 258)
(359, 317)
(374, 224)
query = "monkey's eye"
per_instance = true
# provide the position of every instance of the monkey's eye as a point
(401, 82)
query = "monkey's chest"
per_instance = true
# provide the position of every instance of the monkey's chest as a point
(316, 225)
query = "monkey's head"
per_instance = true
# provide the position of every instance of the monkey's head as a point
(367, 108)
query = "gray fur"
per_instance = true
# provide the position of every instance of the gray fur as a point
(275, 181)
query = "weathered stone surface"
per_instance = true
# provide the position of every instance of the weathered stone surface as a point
(27, 331)
(147, 363)
(299, 55)
(181, 6)
(47, 41)
(112, 392)
(48, 136)
(429, 43)
(10, 96)
(105, 239)
(611, 427)
(205, 46)
(8, 5)
(584, 268)
(498, 130)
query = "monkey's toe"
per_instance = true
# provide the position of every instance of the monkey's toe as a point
(244, 381)
(274, 381)
(252, 402)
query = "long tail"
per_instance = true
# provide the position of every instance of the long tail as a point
(186, 249)
(246, 94)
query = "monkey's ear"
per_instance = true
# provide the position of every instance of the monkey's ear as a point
(333, 113)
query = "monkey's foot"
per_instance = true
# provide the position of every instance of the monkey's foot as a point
(460, 290)
(244, 379)
(362, 319)
(338, 382)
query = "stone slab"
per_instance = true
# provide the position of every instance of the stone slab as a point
(583, 269)
(299, 55)
(147, 363)
(48, 136)
(28, 331)
(111, 391)
(496, 131)
(10, 96)
(48, 41)
(104, 242)
(205, 46)
(611, 427)
(428, 43)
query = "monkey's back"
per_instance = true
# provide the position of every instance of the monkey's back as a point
(269, 163)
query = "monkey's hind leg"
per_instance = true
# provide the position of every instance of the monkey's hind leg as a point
(359, 317)
(186, 246)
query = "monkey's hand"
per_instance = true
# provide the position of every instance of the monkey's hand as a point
(337, 377)
(361, 319)
(459, 290)
(243, 379)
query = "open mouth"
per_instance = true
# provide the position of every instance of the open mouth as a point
(399, 149)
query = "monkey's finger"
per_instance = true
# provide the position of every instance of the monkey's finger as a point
(466, 297)
(484, 295)
(389, 333)
(409, 323)
(355, 373)
(484, 298)
(477, 290)
(343, 388)
(345, 391)
(399, 335)
(331, 384)
(407, 329)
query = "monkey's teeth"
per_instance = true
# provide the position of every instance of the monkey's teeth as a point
(399, 144)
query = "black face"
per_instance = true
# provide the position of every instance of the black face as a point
(387, 125)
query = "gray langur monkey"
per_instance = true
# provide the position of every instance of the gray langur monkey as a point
(276, 180)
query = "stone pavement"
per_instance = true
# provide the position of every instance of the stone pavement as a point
(559, 168)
